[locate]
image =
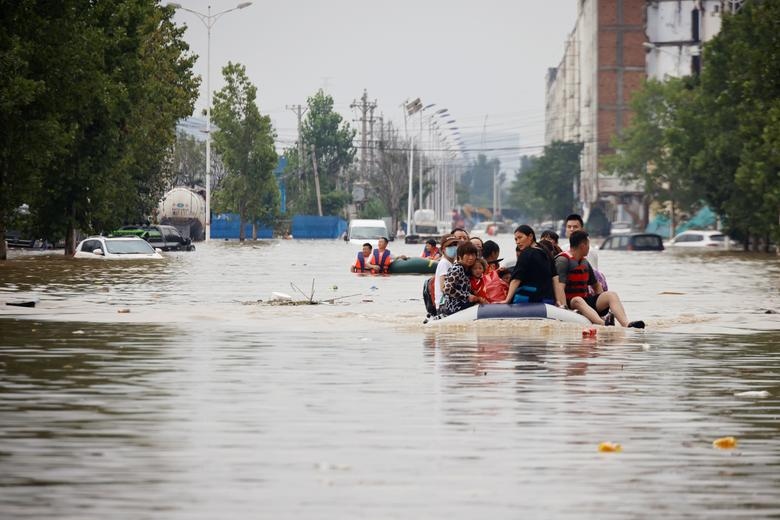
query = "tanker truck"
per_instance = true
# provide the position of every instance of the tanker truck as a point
(184, 208)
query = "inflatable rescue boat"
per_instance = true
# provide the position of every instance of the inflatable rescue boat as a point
(513, 311)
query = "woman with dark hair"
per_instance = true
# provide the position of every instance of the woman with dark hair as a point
(535, 277)
(549, 241)
(457, 283)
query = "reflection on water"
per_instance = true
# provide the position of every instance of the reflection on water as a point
(201, 402)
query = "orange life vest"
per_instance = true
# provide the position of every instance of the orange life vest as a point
(385, 261)
(360, 264)
(577, 277)
(430, 254)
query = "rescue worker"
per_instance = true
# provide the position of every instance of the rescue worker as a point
(382, 257)
(363, 263)
(430, 250)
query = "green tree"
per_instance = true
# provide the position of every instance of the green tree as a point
(738, 165)
(245, 141)
(118, 81)
(653, 150)
(189, 161)
(331, 137)
(545, 189)
(522, 195)
(32, 134)
(478, 181)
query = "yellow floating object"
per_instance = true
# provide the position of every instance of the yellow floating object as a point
(725, 443)
(610, 447)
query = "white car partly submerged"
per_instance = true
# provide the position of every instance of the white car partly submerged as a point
(116, 248)
(701, 238)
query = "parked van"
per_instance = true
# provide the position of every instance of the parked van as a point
(361, 231)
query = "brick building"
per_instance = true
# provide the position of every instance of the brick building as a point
(614, 46)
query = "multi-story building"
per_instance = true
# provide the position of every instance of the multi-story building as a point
(614, 46)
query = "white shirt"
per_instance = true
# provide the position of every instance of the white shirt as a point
(441, 270)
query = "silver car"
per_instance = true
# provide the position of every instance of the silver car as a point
(116, 248)
(700, 238)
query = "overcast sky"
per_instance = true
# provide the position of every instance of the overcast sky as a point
(483, 60)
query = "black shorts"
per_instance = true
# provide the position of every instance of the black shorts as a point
(591, 301)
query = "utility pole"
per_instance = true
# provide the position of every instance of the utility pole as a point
(299, 110)
(371, 143)
(364, 107)
(316, 178)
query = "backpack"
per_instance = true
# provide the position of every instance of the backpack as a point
(427, 294)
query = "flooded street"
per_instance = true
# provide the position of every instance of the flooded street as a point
(170, 390)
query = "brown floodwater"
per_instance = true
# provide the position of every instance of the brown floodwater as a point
(174, 390)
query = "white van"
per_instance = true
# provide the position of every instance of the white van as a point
(361, 231)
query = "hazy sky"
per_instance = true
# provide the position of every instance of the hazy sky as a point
(483, 60)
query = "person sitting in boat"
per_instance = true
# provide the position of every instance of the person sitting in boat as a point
(478, 244)
(534, 278)
(490, 252)
(574, 223)
(497, 285)
(382, 257)
(478, 279)
(457, 285)
(364, 262)
(449, 250)
(575, 275)
(460, 233)
(549, 240)
(431, 251)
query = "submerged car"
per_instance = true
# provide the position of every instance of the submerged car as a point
(165, 238)
(116, 248)
(699, 238)
(633, 242)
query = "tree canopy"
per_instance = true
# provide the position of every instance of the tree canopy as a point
(104, 84)
(477, 181)
(715, 139)
(544, 189)
(324, 131)
(245, 142)
(653, 151)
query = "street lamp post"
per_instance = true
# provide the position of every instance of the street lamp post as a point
(208, 20)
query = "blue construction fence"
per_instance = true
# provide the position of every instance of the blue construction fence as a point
(312, 226)
(227, 226)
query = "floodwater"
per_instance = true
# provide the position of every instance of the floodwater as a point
(172, 390)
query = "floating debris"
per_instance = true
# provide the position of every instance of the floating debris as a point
(123, 311)
(29, 303)
(753, 393)
(725, 443)
(280, 297)
(610, 447)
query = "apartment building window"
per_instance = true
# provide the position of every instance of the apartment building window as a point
(732, 6)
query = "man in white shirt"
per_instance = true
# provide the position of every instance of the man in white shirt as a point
(574, 223)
